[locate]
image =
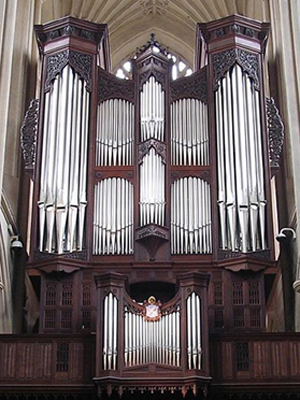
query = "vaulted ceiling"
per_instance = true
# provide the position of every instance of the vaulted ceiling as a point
(131, 21)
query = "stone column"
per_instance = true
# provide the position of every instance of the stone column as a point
(285, 20)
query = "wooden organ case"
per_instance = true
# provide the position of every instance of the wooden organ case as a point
(149, 182)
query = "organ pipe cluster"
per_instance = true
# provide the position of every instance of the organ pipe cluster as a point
(189, 133)
(152, 111)
(194, 346)
(241, 187)
(110, 344)
(63, 180)
(115, 133)
(152, 341)
(190, 216)
(152, 189)
(113, 217)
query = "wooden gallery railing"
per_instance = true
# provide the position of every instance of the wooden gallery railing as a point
(35, 362)
(152, 345)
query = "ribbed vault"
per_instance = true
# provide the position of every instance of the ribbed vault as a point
(131, 21)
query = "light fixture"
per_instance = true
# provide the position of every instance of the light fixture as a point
(286, 234)
(16, 244)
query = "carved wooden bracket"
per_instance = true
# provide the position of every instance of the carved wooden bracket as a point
(111, 87)
(222, 62)
(159, 147)
(152, 237)
(29, 136)
(80, 62)
(275, 133)
(193, 86)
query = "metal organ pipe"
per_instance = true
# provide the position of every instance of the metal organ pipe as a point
(189, 133)
(152, 341)
(113, 217)
(241, 194)
(152, 189)
(115, 133)
(110, 344)
(194, 346)
(190, 216)
(62, 199)
(152, 110)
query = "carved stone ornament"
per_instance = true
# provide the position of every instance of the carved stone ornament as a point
(111, 87)
(222, 62)
(80, 62)
(275, 132)
(159, 147)
(194, 86)
(29, 135)
(152, 309)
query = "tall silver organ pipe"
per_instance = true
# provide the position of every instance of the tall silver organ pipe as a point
(194, 346)
(152, 189)
(241, 193)
(110, 332)
(113, 217)
(63, 198)
(189, 133)
(191, 216)
(152, 341)
(115, 133)
(152, 111)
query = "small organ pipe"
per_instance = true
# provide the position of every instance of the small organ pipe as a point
(113, 217)
(189, 133)
(152, 189)
(194, 347)
(152, 110)
(152, 341)
(114, 140)
(190, 223)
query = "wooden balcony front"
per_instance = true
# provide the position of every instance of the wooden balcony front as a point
(239, 363)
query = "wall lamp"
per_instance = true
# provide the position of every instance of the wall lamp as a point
(286, 235)
(16, 244)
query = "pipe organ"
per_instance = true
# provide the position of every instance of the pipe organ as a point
(152, 189)
(194, 349)
(115, 133)
(148, 182)
(190, 224)
(110, 344)
(189, 132)
(113, 217)
(241, 183)
(152, 341)
(152, 111)
(63, 180)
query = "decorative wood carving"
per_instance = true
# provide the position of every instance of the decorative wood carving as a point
(80, 62)
(152, 230)
(276, 132)
(194, 86)
(226, 254)
(152, 42)
(76, 255)
(159, 76)
(111, 87)
(29, 135)
(159, 147)
(223, 61)
(67, 30)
